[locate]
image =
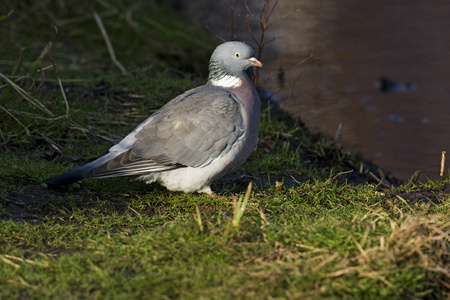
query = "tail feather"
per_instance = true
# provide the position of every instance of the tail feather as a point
(66, 178)
(79, 173)
(111, 165)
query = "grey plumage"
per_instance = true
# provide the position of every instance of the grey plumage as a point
(194, 139)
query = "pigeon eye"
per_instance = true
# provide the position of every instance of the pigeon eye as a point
(236, 54)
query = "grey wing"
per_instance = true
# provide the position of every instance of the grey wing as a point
(192, 130)
(127, 164)
(199, 129)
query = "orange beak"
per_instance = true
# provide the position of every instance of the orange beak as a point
(255, 62)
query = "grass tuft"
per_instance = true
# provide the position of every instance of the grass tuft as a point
(239, 206)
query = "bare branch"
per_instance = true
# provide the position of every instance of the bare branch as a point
(108, 43)
(217, 35)
(248, 8)
(232, 10)
(265, 15)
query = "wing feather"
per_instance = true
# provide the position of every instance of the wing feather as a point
(196, 136)
(192, 130)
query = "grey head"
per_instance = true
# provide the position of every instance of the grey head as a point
(231, 59)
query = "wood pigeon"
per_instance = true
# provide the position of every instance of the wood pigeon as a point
(195, 138)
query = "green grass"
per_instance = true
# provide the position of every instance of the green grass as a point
(324, 241)
(310, 228)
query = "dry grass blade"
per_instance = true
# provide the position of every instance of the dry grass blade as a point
(108, 44)
(111, 138)
(358, 245)
(239, 206)
(9, 262)
(15, 119)
(4, 17)
(26, 96)
(382, 181)
(341, 173)
(35, 116)
(419, 243)
(199, 218)
(406, 203)
(29, 261)
(60, 85)
(38, 62)
(81, 19)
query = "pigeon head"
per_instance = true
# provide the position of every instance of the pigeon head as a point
(229, 62)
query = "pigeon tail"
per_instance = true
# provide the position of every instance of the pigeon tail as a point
(65, 178)
(79, 173)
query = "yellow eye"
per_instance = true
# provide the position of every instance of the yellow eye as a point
(236, 54)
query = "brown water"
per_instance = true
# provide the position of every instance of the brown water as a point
(350, 46)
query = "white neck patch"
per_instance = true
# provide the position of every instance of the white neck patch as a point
(227, 81)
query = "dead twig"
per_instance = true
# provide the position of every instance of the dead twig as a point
(81, 19)
(232, 10)
(341, 173)
(53, 144)
(338, 135)
(263, 21)
(381, 181)
(37, 66)
(112, 54)
(216, 34)
(60, 84)
(15, 119)
(404, 201)
(25, 95)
